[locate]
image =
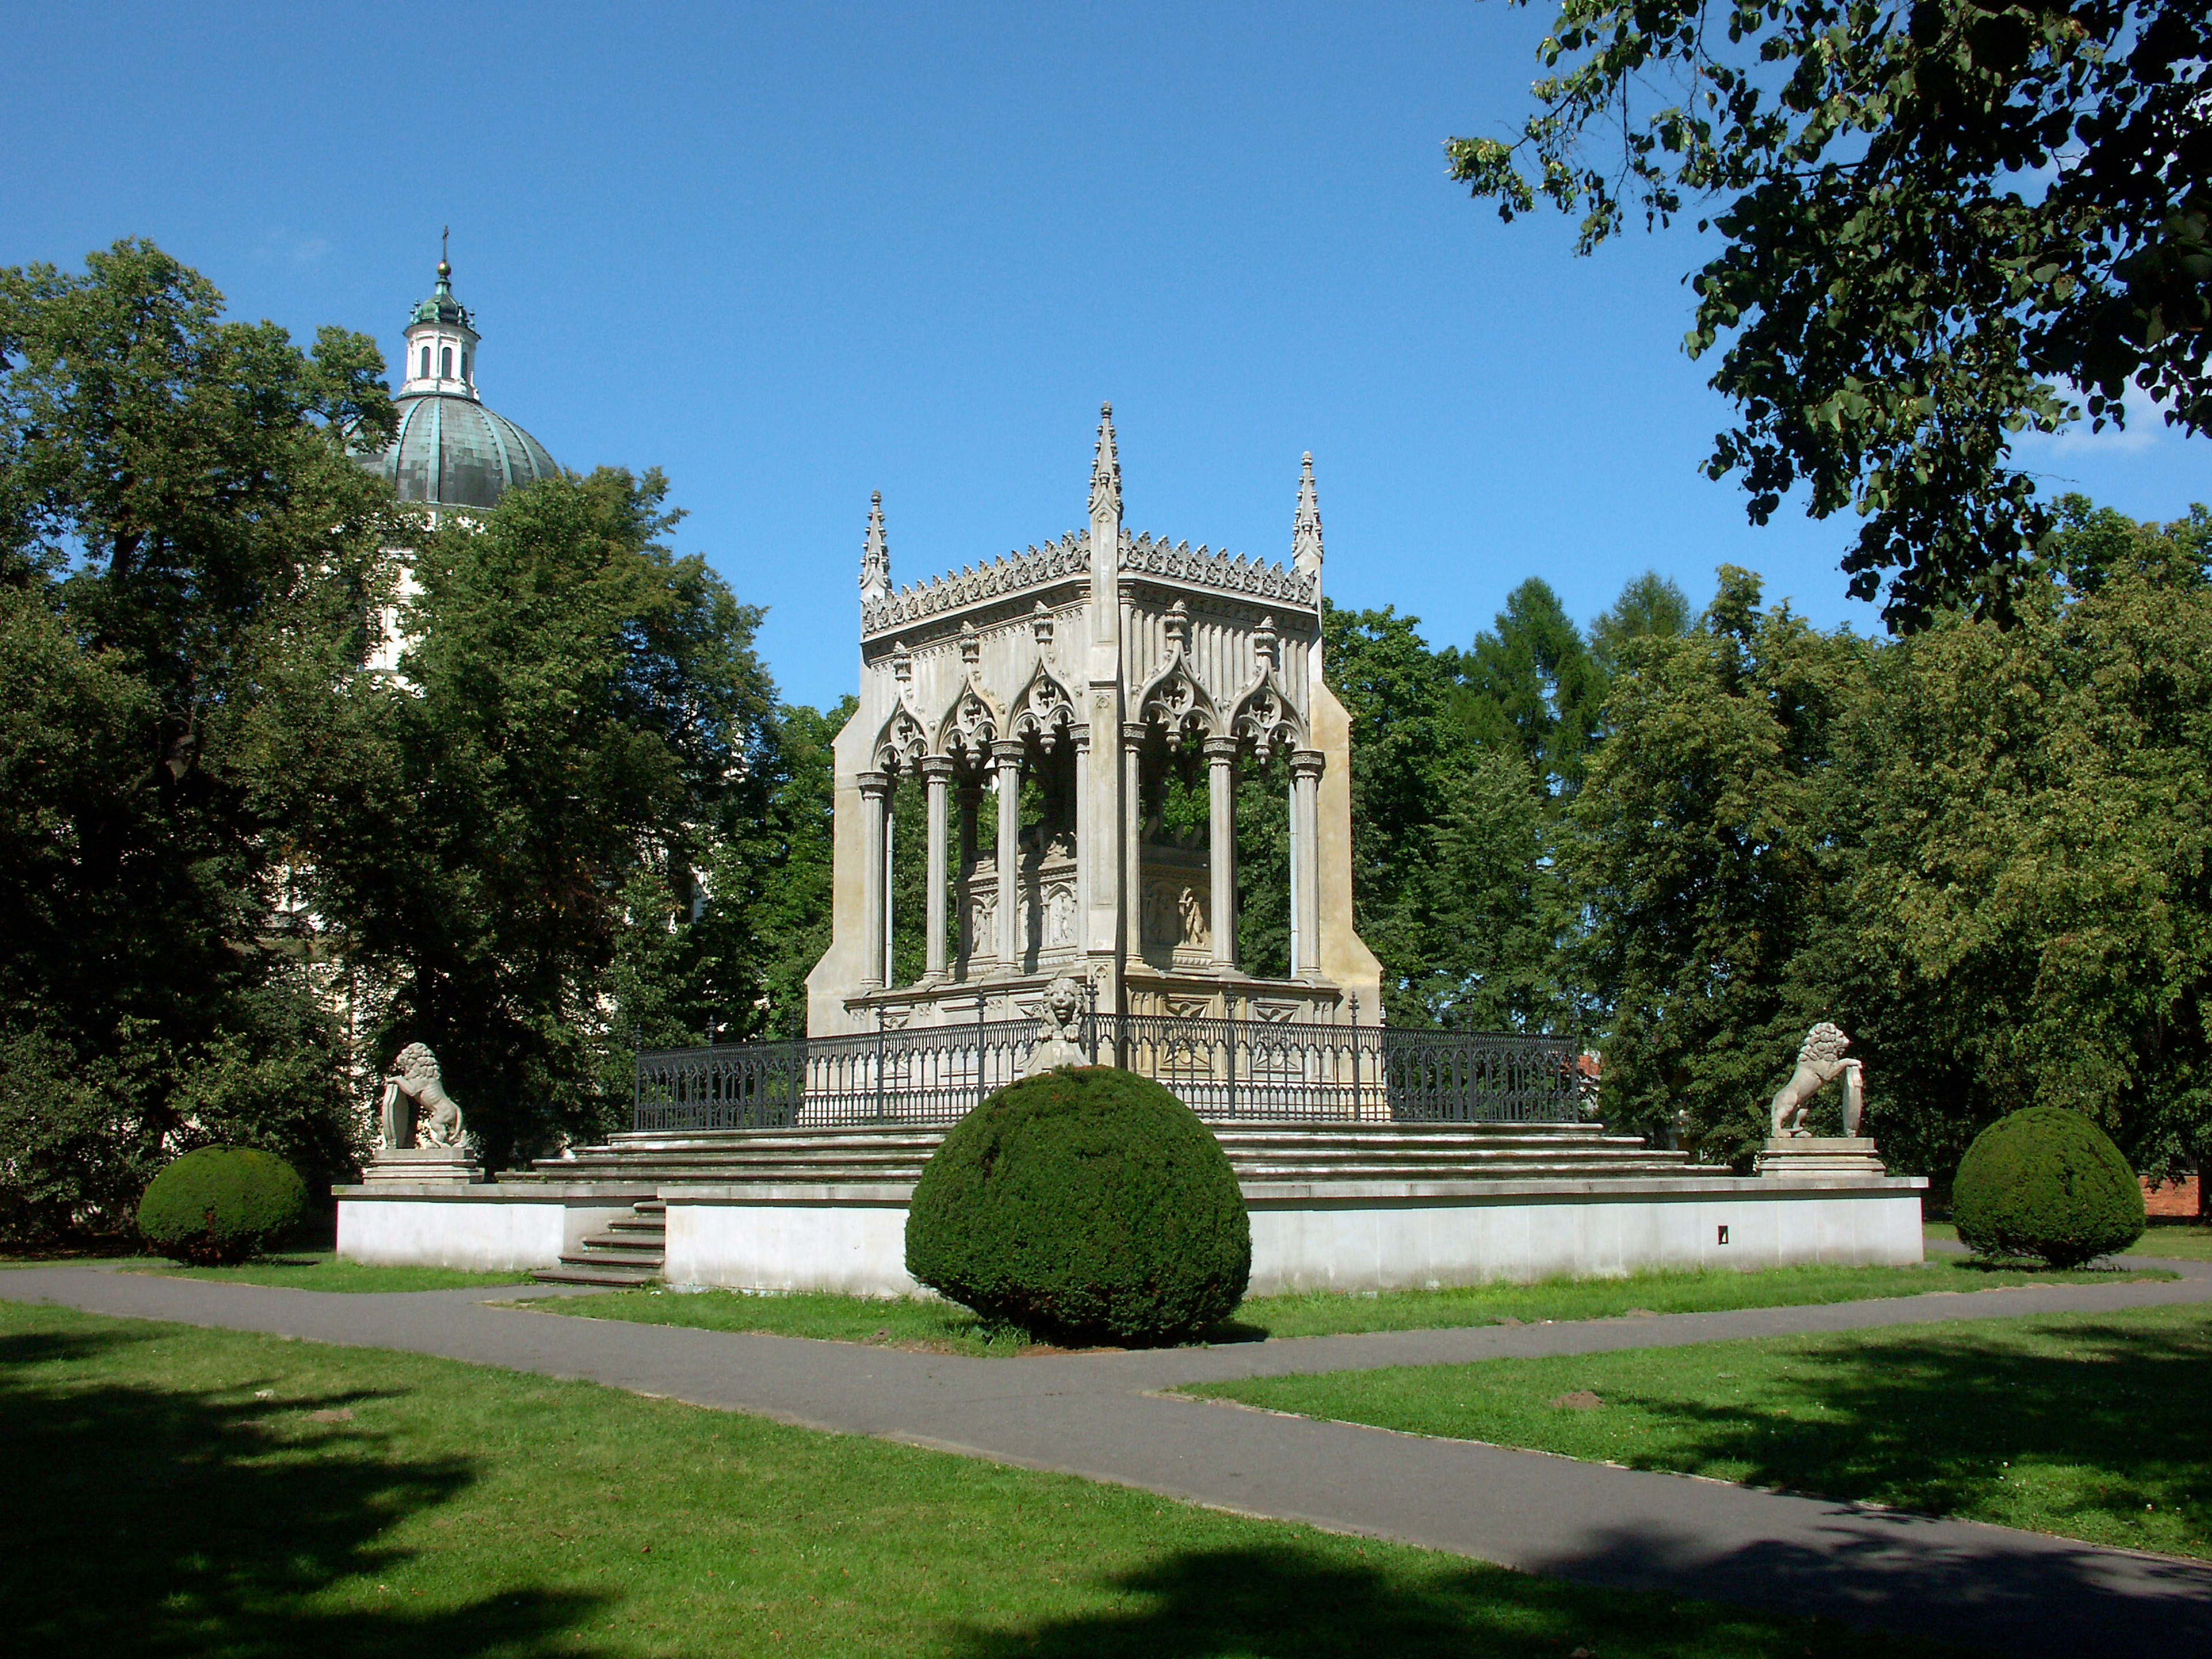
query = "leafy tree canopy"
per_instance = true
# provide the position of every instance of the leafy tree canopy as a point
(1942, 220)
(187, 557)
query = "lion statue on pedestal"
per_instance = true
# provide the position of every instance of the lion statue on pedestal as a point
(1819, 1062)
(415, 1081)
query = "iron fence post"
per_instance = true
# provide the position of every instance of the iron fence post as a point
(879, 1062)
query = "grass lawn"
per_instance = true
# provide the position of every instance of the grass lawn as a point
(321, 1270)
(955, 1329)
(2173, 1238)
(2087, 1425)
(181, 1492)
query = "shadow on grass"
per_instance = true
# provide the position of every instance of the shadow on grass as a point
(1953, 1423)
(151, 1521)
(1295, 1603)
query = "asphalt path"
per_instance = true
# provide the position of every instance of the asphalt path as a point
(1104, 1416)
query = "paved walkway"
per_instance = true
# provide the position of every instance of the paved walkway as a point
(1100, 1415)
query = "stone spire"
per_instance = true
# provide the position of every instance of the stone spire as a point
(875, 555)
(1106, 471)
(1306, 533)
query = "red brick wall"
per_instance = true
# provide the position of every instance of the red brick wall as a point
(2172, 1197)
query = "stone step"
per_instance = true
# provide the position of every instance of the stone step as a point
(613, 1277)
(627, 1249)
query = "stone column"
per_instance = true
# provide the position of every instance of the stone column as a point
(875, 803)
(937, 778)
(1081, 735)
(1221, 848)
(1133, 833)
(1305, 862)
(1007, 754)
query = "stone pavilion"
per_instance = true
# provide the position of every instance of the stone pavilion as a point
(1096, 667)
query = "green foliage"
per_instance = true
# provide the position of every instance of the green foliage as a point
(2046, 1182)
(581, 719)
(1532, 683)
(1981, 850)
(221, 1205)
(1937, 220)
(186, 555)
(1086, 1202)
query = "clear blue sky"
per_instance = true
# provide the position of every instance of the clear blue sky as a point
(791, 255)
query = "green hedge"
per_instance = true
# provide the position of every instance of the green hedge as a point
(1085, 1205)
(2046, 1182)
(222, 1204)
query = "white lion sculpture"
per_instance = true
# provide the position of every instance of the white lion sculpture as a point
(415, 1081)
(1819, 1062)
(1061, 1043)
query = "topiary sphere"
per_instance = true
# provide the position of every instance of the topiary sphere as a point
(2046, 1182)
(1085, 1204)
(222, 1204)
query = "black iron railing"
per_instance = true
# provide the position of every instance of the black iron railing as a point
(1227, 1070)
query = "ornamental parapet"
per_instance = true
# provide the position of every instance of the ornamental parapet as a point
(1069, 559)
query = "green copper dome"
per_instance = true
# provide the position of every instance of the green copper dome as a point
(451, 451)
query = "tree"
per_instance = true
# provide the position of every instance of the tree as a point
(1531, 684)
(1651, 606)
(2037, 854)
(187, 557)
(1940, 221)
(579, 720)
(1985, 851)
(1705, 856)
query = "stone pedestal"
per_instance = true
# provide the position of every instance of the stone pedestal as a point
(421, 1164)
(1791, 1156)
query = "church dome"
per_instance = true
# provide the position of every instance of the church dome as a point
(450, 449)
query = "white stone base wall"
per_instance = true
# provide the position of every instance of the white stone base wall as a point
(1372, 1236)
(851, 1240)
(1313, 1239)
(479, 1227)
(1367, 1237)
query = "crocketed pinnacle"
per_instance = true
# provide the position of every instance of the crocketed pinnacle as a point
(876, 554)
(1305, 532)
(1106, 470)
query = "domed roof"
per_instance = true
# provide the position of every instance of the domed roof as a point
(451, 451)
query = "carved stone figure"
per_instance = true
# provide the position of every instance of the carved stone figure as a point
(1062, 1013)
(1819, 1062)
(1190, 917)
(415, 1083)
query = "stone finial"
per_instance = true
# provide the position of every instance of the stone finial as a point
(1305, 534)
(875, 555)
(1106, 470)
(1177, 626)
(1264, 641)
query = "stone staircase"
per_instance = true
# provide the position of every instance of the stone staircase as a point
(1262, 1154)
(631, 1252)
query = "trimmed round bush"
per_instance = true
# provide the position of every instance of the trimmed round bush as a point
(1087, 1204)
(2046, 1182)
(222, 1204)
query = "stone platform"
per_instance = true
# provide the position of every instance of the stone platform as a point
(1353, 1207)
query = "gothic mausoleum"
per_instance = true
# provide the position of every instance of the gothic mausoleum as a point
(1092, 671)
